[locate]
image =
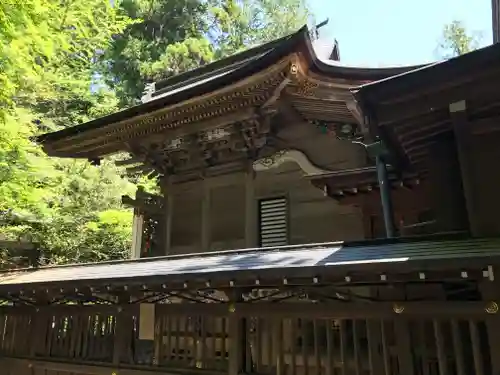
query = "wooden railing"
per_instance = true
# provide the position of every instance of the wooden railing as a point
(230, 339)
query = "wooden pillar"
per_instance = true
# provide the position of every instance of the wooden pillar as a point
(168, 194)
(250, 210)
(447, 195)
(205, 217)
(123, 318)
(461, 127)
(137, 230)
(169, 214)
(237, 338)
(490, 291)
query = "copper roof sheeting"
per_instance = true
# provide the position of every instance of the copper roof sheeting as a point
(284, 259)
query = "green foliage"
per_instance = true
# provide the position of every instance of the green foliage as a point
(456, 40)
(171, 37)
(65, 62)
(48, 60)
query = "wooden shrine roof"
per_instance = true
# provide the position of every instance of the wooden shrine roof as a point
(230, 267)
(199, 83)
(411, 110)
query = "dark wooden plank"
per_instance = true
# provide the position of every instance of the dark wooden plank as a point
(305, 344)
(463, 136)
(343, 358)
(187, 339)
(224, 336)
(278, 341)
(476, 348)
(441, 354)
(169, 343)
(457, 348)
(379, 310)
(356, 346)
(177, 325)
(293, 346)
(53, 368)
(422, 339)
(330, 347)
(374, 337)
(203, 341)
(158, 342)
(235, 349)
(317, 357)
(404, 347)
(259, 352)
(385, 349)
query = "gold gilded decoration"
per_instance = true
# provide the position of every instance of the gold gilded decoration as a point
(398, 309)
(491, 308)
(306, 88)
(228, 99)
(232, 308)
(294, 69)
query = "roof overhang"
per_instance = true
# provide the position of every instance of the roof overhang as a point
(352, 182)
(411, 109)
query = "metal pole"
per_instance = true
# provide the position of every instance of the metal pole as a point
(495, 20)
(385, 196)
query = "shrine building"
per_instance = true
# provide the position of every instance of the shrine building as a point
(313, 219)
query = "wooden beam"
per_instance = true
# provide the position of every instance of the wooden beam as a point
(378, 310)
(206, 222)
(472, 87)
(76, 368)
(404, 109)
(250, 209)
(461, 128)
(169, 214)
(128, 201)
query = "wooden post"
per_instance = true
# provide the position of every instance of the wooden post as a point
(121, 326)
(137, 229)
(169, 212)
(490, 290)
(205, 217)
(404, 347)
(237, 339)
(463, 139)
(250, 210)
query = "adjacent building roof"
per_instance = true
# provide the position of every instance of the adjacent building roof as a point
(459, 67)
(411, 110)
(332, 257)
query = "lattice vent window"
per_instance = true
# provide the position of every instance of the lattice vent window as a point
(273, 222)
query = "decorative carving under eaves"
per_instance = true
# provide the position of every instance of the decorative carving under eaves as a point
(174, 144)
(228, 100)
(340, 130)
(215, 134)
(288, 156)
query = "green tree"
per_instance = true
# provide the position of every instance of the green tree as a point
(172, 37)
(456, 40)
(64, 62)
(48, 60)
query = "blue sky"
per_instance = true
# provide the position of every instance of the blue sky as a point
(397, 32)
